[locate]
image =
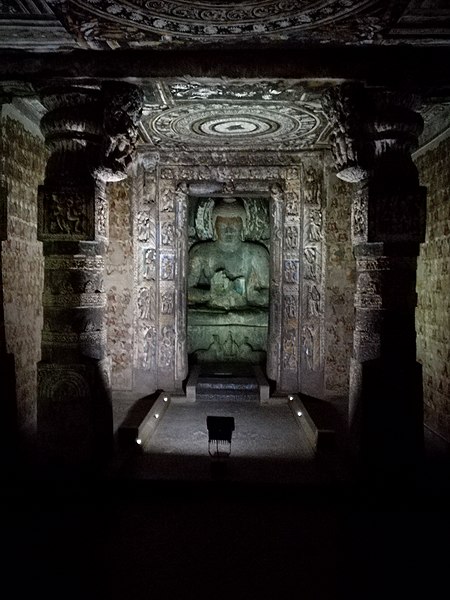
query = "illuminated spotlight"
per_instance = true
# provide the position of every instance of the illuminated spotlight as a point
(156, 416)
(138, 441)
(299, 413)
(291, 398)
(166, 399)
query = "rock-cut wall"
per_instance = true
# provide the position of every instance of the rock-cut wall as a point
(433, 289)
(22, 165)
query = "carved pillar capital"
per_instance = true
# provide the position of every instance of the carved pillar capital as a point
(72, 128)
(90, 129)
(374, 132)
(392, 128)
(344, 107)
(122, 109)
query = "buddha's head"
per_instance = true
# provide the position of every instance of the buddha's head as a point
(228, 220)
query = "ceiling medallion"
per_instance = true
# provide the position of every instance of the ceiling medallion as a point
(220, 19)
(225, 123)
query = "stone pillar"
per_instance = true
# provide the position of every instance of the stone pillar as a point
(388, 225)
(8, 407)
(90, 131)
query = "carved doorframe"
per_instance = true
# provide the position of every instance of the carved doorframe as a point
(296, 323)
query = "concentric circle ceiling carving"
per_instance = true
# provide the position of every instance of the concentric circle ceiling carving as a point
(235, 124)
(208, 21)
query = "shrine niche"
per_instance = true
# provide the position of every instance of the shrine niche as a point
(228, 279)
(192, 309)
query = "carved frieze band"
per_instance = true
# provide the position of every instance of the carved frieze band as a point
(312, 267)
(385, 284)
(274, 349)
(146, 273)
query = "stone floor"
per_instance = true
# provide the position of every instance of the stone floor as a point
(276, 522)
(268, 445)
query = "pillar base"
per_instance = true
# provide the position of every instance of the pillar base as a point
(9, 440)
(386, 415)
(74, 414)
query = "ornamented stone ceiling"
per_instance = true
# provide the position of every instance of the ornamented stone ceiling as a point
(168, 24)
(276, 114)
(270, 39)
(172, 23)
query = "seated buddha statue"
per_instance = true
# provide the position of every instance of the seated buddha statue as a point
(228, 273)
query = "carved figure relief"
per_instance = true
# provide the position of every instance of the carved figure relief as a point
(146, 303)
(229, 349)
(290, 350)
(311, 186)
(167, 303)
(310, 349)
(291, 271)
(290, 306)
(313, 226)
(66, 215)
(292, 237)
(291, 173)
(311, 267)
(360, 215)
(122, 111)
(182, 207)
(313, 301)
(101, 210)
(203, 219)
(166, 203)
(167, 233)
(167, 267)
(149, 267)
(276, 211)
(149, 347)
(343, 106)
(143, 226)
(291, 203)
(257, 222)
(167, 347)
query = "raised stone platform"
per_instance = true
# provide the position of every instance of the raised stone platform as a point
(227, 382)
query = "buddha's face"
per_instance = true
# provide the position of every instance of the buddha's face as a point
(229, 229)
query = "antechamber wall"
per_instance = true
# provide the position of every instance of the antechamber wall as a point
(311, 267)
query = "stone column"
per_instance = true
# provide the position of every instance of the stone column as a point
(90, 131)
(388, 225)
(8, 407)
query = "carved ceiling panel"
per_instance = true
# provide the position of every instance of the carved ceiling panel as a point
(282, 114)
(52, 25)
(218, 22)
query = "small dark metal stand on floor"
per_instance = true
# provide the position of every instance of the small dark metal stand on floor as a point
(220, 430)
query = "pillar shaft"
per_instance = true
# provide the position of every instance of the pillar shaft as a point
(74, 405)
(388, 224)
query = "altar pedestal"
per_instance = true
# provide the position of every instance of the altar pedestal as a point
(235, 336)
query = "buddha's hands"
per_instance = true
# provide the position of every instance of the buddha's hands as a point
(224, 294)
(220, 284)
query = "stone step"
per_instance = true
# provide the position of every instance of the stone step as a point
(227, 382)
(227, 396)
(223, 383)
